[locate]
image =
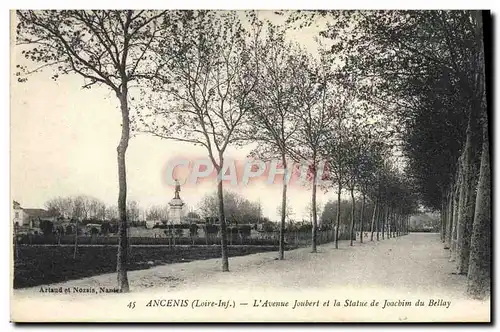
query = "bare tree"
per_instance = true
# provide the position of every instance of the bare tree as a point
(157, 212)
(237, 209)
(57, 206)
(273, 121)
(337, 149)
(111, 212)
(133, 211)
(314, 109)
(207, 89)
(78, 204)
(289, 213)
(111, 48)
(101, 211)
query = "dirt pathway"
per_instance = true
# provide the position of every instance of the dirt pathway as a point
(393, 271)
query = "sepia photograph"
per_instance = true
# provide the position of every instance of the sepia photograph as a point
(250, 166)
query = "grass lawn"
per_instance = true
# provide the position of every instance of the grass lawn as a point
(41, 265)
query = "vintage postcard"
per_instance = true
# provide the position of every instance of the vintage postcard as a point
(250, 166)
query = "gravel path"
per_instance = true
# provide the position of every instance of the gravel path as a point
(400, 270)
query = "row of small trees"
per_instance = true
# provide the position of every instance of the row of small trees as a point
(83, 207)
(205, 79)
(237, 209)
(228, 85)
(427, 68)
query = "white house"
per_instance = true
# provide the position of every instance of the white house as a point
(18, 215)
(29, 218)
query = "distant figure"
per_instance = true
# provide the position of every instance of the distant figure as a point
(177, 189)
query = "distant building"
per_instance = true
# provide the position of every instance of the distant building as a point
(29, 218)
(17, 214)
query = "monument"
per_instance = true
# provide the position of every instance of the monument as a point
(176, 204)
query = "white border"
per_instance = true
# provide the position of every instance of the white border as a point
(185, 4)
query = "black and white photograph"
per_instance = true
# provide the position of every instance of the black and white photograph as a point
(251, 166)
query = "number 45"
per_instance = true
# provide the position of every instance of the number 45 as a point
(131, 305)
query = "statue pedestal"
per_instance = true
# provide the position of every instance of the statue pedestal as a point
(175, 212)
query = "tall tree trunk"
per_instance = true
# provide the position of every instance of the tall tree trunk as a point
(389, 223)
(361, 222)
(394, 223)
(449, 218)
(449, 221)
(478, 276)
(397, 223)
(283, 212)
(384, 220)
(122, 255)
(222, 220)
(456, 209)
(314, 212)
(466, 213)
(379, 215)
(479, 273)
(403, 224)
(75, 251)
(353, 217)
(443, 218)
(400, 225)
(338, 215)
(374, 216)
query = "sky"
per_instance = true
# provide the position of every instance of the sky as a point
(64, 138)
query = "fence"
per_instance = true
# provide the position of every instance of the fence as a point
(293, 239)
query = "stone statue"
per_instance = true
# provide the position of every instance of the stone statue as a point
(177, 189)
(175, 213)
